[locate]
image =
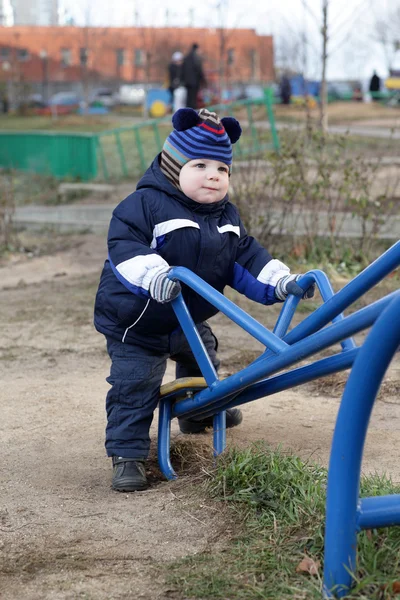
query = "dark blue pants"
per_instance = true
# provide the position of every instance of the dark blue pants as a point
(136, 375)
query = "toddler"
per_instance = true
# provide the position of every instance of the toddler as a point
(179, 215)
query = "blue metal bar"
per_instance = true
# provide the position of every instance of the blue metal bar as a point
(259, 370)
(378, 511)
(195, 341)
(288, 310)
(164, 439)
(239, 316)
(219, 438)
(205, 364)
(279, 383)
(374, 273)
(286, 315)
(347, 448)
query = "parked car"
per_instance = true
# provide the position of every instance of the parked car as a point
(340, 90)
(133, 94)
(105, 96)
(65, 99)
(35, 101)
(61, 103)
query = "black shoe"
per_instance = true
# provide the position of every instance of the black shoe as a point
(129, 474)
(234, 417)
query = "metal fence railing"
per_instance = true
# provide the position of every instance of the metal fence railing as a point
(128, 151)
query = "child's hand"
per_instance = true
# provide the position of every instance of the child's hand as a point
(162, 289)
(287, 285)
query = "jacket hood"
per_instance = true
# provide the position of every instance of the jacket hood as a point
(155, 178)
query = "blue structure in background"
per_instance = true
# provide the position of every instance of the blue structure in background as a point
(300, 86)
(157, 102)
(346, 513)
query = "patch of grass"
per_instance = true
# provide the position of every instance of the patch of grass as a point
(278, 504)
(81, 123)
(338, 112)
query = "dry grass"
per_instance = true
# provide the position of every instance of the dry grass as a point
(78, 123)
(191, 456)
(343, 112)
(333, 386)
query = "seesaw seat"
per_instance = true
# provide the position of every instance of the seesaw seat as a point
(182, 387)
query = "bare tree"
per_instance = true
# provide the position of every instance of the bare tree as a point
(225, 35)
(289, 52)
(387, 34)
(324, 60)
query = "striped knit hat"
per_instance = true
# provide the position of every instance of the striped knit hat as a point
(197, 135)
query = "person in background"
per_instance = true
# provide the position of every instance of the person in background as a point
(285, 89)
(375, 86)
(180, 214)
(176, 89)
(193, 76)
(5, 104)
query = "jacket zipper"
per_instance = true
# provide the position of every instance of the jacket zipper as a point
(137, 321)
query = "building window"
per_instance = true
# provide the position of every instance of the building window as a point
(83, 56)
(140, 57)
(120, 53)
(65, 57)
(231, 56)
(22, 54)
(4, 53)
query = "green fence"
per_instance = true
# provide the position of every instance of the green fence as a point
(60, 155)
(126, 152)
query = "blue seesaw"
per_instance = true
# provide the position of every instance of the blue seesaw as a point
(346, 512)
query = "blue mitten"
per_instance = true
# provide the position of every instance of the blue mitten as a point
(287, 285)
(162, 289)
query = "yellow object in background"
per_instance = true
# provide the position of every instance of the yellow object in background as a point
(158, 109)
(300, 101)
(393, 83)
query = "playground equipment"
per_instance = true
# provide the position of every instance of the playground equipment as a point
(346, 513)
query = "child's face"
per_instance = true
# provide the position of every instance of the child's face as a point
(204, 180)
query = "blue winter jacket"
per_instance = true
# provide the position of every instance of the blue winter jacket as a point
(158, 225)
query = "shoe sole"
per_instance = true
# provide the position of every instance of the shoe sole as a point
(128, 487)
(192, 428)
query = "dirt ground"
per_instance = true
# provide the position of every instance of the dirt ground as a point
(64, 534)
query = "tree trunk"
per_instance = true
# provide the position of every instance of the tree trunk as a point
(324, 89)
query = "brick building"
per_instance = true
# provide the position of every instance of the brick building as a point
(49, 59)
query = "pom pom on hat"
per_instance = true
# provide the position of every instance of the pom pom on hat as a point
(185, 118)
(197, 135)
(232, 128)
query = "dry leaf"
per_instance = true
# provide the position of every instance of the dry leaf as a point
(396, 587)
(308, 565)
(393, 588)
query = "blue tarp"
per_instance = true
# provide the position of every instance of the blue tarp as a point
(300, 87)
